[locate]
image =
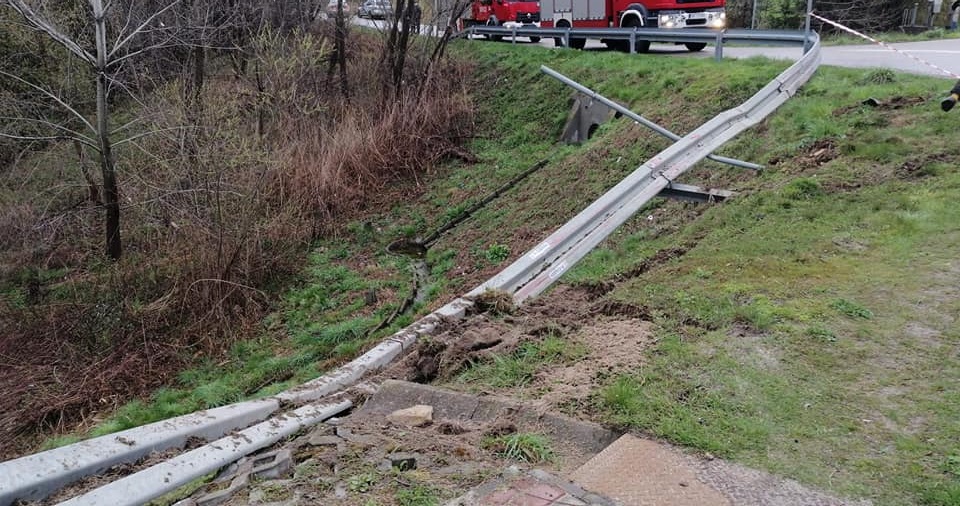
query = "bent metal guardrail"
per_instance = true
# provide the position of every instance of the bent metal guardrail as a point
(37, 476)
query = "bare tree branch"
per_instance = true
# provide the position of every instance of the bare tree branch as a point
(126, 24)
(139, 29)
(144, 134)
(46, 138)
(126, 125)
(72, 133)
(45, 26)
(53, 97)
(151, 47)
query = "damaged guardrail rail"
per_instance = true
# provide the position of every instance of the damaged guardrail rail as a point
(37, 476)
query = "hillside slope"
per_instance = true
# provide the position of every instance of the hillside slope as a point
(806, 327)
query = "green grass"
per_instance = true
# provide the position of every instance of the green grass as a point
(806, 330)
(521, 446)
(418, 495)
(322, 319)
(519, 368)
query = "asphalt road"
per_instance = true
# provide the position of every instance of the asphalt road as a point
(942, 53)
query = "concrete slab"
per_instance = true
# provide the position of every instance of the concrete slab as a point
(531, 488)
(447, 405)
(635, 471)
(640, 472)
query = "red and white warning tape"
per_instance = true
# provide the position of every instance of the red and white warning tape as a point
(884, 44)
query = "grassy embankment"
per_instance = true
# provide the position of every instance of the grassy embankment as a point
(809, 328)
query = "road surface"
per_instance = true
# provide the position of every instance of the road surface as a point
(942, 53)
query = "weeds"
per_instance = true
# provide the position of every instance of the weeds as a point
(523, 447)
(851, 309)
(417, 495)
(519, 368)
(361, 483)
(879, 76)
(497, 253)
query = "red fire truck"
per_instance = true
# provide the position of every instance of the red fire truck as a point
(506, 13)
(632, 13)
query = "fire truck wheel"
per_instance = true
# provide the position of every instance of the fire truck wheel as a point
(535, 39)
(493, 21)
(693, 47)
(577, 43)
(641, 46)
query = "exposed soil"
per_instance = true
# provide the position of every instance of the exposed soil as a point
(893, 103)
(611, 336)
(916, 168)
(815, 155)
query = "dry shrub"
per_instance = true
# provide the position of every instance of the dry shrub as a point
(336, 172)
(334, 159)
(213, 214)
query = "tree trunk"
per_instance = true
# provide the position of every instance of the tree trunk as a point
(110, 195)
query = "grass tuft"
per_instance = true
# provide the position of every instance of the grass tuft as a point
(523, 447)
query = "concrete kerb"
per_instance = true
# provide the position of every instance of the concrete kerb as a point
(34, 477)
(270, 465)
(455, 406)
(376, 358)
(155, 481)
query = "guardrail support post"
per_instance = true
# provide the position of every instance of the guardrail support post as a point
(633, 41)
(566, 38)
(514, 34)
(718, 47)
(806, 28)
(638, 118)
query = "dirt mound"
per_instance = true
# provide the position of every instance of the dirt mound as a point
(609, 339)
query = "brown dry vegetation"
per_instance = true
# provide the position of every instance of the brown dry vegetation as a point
(215, 215)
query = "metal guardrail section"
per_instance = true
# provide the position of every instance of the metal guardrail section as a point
(679, 35)
(540, 267)
(37, 476)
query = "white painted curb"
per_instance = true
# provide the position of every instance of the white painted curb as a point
(153, 482)
(374, 359)
(34, 477)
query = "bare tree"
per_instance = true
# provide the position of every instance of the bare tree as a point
(339, 57)
(104, 58)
